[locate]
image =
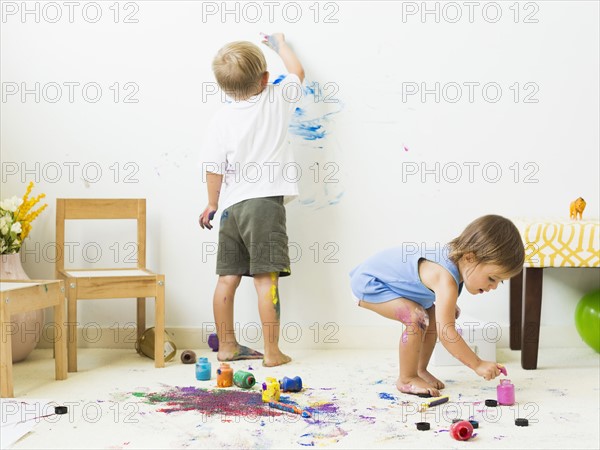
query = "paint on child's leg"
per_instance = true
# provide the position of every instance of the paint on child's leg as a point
(422, 319)
(275, 293)
(411, 320)
(403, 314)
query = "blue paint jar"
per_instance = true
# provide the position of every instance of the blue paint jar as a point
(291, 384)
(203, 369)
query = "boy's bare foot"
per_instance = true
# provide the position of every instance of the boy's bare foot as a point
(241, 352)
(416, 386)
(276, 360)
(433, 381)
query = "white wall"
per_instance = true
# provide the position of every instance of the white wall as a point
(369, 57)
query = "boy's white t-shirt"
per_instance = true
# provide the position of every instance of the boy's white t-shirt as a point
(246, 142)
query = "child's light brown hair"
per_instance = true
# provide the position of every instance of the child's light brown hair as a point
(239, 67)
(492, 240)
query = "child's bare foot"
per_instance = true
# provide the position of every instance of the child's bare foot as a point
(277, 359)
(433, 381)
(240, 352)
(416, 386)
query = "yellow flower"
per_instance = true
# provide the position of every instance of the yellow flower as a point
(17, 215)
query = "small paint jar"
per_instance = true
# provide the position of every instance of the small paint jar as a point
(224, 375)
(461, 431)
(506, 393)
(213, 342)
(290, 384)
(203, 369)
(270, 390)
(243, 379)
(188, 357)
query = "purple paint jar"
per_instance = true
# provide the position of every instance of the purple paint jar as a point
(506, 393)
(213, 342)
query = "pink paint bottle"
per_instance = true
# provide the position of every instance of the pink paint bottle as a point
(506, 393)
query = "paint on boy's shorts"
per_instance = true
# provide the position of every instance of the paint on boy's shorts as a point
(224, 216)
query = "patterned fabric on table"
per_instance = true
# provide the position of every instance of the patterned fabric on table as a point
(560, 242)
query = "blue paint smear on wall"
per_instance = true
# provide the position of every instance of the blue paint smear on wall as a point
(311, 133)
(309, 130)
(303, 126)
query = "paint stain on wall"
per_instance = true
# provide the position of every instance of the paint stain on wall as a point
(314, 112)
(312, 137)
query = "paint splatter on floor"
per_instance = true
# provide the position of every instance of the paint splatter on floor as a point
(229, 403)
(386, 396)
(219, 401)
(322, 437)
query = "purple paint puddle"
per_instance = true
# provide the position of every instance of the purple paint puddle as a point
(227, 403)
(220, 401)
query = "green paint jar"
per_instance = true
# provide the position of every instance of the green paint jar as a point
(243, 379)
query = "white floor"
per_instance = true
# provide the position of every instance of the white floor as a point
(351, 394)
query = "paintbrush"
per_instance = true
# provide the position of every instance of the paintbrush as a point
(435, 402)
(290, 408)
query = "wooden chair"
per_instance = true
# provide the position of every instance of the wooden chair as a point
(18, 296)
(85, 284)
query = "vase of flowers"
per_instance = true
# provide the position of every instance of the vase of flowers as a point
(16, 215)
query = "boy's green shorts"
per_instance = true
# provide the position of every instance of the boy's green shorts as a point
(253, 238)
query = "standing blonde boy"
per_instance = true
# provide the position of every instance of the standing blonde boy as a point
(245, 156)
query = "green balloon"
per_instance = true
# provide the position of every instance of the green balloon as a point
(587, 319)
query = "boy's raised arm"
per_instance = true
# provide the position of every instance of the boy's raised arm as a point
(278, 44)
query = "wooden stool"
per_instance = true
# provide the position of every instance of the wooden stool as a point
(29, 295)
(548, 243)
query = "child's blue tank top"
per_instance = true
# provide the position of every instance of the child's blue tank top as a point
(394, 273)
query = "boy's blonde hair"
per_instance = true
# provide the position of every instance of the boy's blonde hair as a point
(239, 67)
(492, 240)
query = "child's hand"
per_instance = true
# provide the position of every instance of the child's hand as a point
(207, 215)
(488, 370)
(273, 41)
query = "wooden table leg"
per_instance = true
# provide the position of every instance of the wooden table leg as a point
(60, 336)
(532, 308)
(516, 310)
(6, 377)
